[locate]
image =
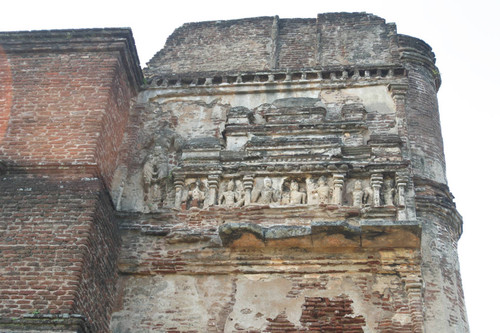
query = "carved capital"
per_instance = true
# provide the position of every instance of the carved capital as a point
(398, 91)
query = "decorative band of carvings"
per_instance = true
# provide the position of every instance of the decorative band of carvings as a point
(331, 75)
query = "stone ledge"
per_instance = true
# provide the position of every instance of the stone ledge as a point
(369, 234)
(66, 323)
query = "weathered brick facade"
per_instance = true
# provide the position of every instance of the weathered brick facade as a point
(267, 175)
(66, 98)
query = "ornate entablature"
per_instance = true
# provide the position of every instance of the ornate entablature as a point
(339, 150)
(287, 154)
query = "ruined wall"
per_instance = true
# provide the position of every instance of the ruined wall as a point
(269, 43)
(67, 96)
(270, 175)
(303, 191)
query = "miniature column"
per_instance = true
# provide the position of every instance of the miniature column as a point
(338, 185)
(413, 286)
(401, 183)
(398, 93)
(178, 184)
(376, 180)
(213, 183)
(248, 185)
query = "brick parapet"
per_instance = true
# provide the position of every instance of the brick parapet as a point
(332, 39)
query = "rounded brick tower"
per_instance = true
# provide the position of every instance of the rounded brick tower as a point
(441, 223)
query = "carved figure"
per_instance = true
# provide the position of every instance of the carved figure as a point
(285, 195)
(323, 190)
(296, 197)
(368, 196)
(267, 194)
(154, 172)
(389, 193)
(230, 197)
(357, 194)
(196, 196)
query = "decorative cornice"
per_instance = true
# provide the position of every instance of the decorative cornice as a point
(330, 75)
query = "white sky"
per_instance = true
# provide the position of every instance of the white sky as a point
(465, 36)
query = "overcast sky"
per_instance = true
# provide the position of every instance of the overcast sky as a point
(465, 36)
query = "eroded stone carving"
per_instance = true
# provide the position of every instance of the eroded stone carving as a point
(297, 197)
(267, 194)
(389, 192)
(320, 192)
(368, 196)
(376, 181)
(248, 186)
(155, 171)
(213, 184)
(338, 185)
(401, 182)
(179, 192)
(231, 196)
(196, 195)
(357, 194)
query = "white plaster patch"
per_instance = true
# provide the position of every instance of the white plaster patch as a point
(258, 298)
(374, 98)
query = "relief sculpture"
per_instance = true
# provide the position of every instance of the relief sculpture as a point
(357, 194)
(196, 195)
(297, 197)
(231, 197)
(267, 194)
(389, 192)
(154, 173)
(321, 192)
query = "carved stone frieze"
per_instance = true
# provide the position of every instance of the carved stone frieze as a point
(291, 152)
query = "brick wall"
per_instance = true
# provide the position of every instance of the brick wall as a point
(297, 43)
(355, 38)
(218, 45)
(66, 97)
(265, 43)
(59, 246)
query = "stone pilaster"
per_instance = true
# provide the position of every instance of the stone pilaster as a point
(376, 181)
(248, 186)
(179, 186)
(213, 184)
(338, 186)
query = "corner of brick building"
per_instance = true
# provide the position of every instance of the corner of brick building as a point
(66, 99)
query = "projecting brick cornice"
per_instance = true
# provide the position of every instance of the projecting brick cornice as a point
(81, 40)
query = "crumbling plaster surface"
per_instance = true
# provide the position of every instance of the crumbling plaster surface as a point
(202, 116)
(230, 303)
